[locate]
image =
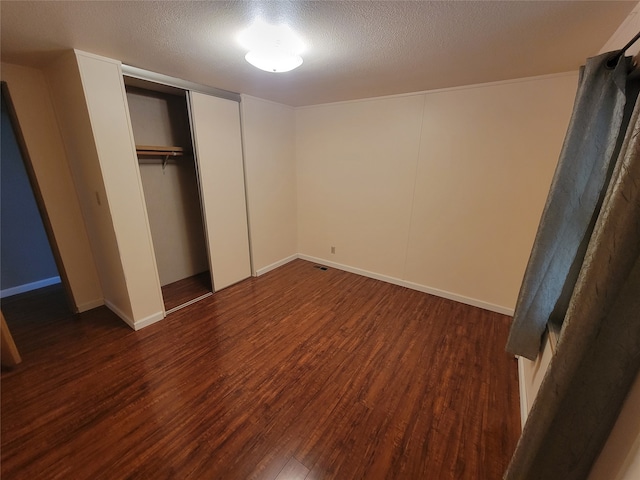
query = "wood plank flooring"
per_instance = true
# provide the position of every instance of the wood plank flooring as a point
(183, 291)
(298, 374)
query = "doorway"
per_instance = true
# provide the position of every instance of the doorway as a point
(28, 253)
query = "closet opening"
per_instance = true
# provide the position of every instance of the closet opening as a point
(162, 133)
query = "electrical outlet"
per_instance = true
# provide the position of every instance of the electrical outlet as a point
(333, 249)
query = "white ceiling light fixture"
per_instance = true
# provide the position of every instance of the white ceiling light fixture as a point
(272, 48)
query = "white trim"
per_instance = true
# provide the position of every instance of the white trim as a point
(524, 406)
(264, 100)
(145, 322)
(445, 90)
(474, 302)
(119, 313)
(27, 287)
(98, 302)
(186, 304)
(279, 263)
(141, 197)
(413, 286)
(142, 74)
(153, 318)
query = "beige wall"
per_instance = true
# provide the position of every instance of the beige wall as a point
(268, 138)
(110, 122)
(441, 190)
(34, 108)
(356, 167)
(175, 218)
(73, 117)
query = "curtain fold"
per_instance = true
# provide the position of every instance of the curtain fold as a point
(594, 135)
(598, 352)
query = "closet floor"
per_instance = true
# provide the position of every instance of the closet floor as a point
(185, 290)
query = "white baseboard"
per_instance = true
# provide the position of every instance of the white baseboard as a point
(273, 266)
(145, 322)
(156, 317)
(120, 314)
(524, 407)
(414, 286)
(27, 287)
(83, 307)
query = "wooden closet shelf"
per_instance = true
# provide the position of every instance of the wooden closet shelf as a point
(154, 151)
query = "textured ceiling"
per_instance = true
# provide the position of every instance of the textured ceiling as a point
(355, 49)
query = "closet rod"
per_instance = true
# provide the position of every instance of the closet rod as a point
(613, 61)
(158, 153)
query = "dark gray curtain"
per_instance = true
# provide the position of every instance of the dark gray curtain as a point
(595, 132)
(598, 352)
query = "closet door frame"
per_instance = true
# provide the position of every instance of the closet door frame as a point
(194, 88)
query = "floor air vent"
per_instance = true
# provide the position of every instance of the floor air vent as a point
(321, 267)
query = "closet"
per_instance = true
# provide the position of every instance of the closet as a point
(164, 147)
(157, 165)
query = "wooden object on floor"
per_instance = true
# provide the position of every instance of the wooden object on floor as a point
(300, 373)
(10, 356)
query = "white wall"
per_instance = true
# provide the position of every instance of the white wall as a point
(268, 139)
(34, 109)
(356, 167)
(90, 103)
(441, 190)
(73, 117)
(105, 98)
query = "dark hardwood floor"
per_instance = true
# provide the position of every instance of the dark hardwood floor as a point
(183, 291)
(298, 374)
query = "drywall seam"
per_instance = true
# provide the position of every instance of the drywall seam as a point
(413, 192)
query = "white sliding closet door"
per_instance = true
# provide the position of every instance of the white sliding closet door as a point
(216, 132)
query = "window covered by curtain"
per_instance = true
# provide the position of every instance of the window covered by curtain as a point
(584, 270)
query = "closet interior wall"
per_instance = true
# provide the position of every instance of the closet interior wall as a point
(160, 122)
